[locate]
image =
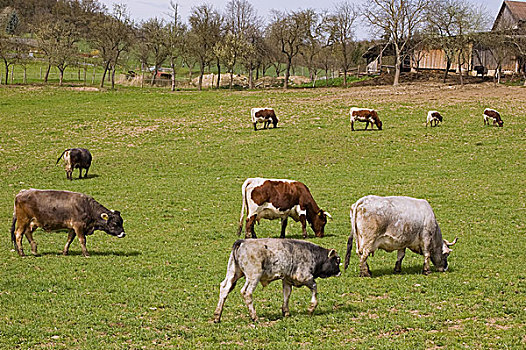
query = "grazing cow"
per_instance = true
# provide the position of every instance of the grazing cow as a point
(273, 199)
(365, 115)
(56, 210)
(76, 158)
(491, 114)
(265, 116)
(396, 223)
(433, 116)
(296, 263)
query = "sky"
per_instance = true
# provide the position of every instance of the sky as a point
(144, 9)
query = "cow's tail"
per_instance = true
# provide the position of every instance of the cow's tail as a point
(352, 235)
(13, 231)
(244, 206)
(58, 160)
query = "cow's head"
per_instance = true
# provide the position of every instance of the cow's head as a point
(500, 122)
(274, 121)
(319, 221)
(439, 117)
(440, 260)
(330, 266)
(111, 223)
(379, 124)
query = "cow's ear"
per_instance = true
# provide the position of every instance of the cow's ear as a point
(332, 253)
(104, 216)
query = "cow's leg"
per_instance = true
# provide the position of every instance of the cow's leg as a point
(303, 220)
(367, 124)
(82, 240)
(32, 242)
(352, 125)
(313, 300)
(246, 292)
(86, 173)
(255, 128)
(69, 174)
(364, 267)
(19, 233)
(249, 227)
(71, 237)
(80, 172)
(283, 226)
(228, 284)
(287, 289)
(399, 258)
(426, 270)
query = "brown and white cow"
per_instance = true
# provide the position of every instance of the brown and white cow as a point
(296, 263)
(56, 210)
(433, 116)
(493, 115)
(76, 158)
(396, 223)
(265, 116)
(279, 199)
(365, 115)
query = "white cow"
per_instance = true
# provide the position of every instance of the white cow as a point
(433, 116)
(396, 223)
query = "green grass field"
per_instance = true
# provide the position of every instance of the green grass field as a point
(174, 163)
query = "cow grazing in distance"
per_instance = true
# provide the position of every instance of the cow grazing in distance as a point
(273, 199)
(365, 115)
(493, 115)
(265, 116)
(433, 116)
(56, 210)
(396, 223)
(76, 158)
(296, 263)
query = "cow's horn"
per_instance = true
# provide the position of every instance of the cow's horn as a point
(332, 253)
(104, 216)
(452, 243)
(327, 214)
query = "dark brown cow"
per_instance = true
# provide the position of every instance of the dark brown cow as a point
(273, 199)
(76, 158)
(365, 115)
(491, 114)
(56, 210)
(265, 116)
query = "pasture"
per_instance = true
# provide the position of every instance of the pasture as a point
(174, 163)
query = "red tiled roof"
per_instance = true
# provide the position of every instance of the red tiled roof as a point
(518, 9)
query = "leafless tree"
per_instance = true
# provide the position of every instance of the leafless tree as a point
(154, 36)
(313, 42)
(112, 35)
(175, 32)
(205, 29)
(289, 30)
(341, 26)
(9, 26)
(397, 20)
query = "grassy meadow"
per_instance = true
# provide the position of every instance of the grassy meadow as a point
(174, 163)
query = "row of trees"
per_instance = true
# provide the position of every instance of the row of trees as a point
(237, 37)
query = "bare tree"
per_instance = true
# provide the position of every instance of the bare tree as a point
(112, 35)
(289, 30)
(205, 28)
(154, 35)
(313, 42)
(451, 26)
(341, 24)
(176, 30)
(397, 20)
(9, 25)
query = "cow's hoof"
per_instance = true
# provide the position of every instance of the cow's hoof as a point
(217, 320)
(426, 272)
(365, 274)
(397, 271)
(286, 313)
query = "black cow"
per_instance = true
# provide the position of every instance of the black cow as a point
(76, 158)
(297, 263)
(55, 210)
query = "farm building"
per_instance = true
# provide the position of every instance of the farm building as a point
(511, 20)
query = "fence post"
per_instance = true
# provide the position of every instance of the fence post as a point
(13, 74)
(40, 73)
(93, 76)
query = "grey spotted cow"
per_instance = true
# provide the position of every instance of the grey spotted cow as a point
(297, 263)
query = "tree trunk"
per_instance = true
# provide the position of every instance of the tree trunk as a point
(251, 77)
(448, 66)
(172, 65)
(231, 78)
(113, 78)
(104, 74)
(61, 76)
(46, 76)
(460, 69)
(287, 74)
(201, 73)
(218, 73)
(6, 71)
(398, 64)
